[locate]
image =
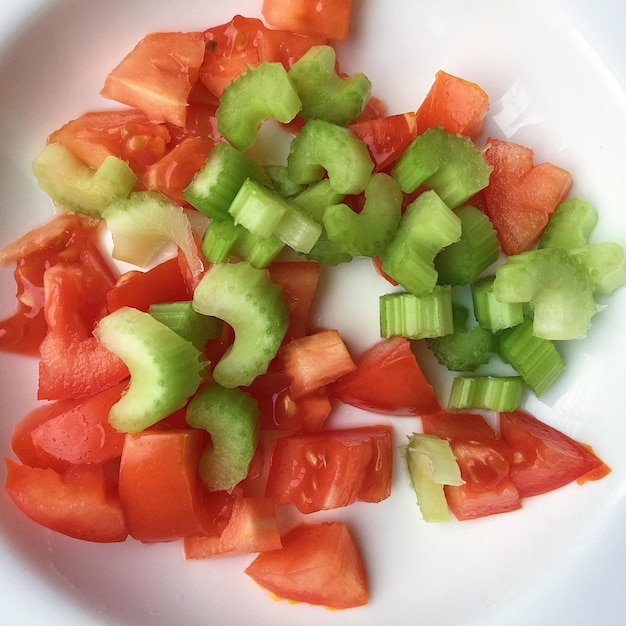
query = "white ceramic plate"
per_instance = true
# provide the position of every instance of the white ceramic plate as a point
(556, 75)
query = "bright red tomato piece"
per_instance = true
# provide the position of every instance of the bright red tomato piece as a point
(82, 502)
(521, 196)
(319, 564)
(331, 468)
(485, 463)
(388, 380)
(544, 458)
(157, 76)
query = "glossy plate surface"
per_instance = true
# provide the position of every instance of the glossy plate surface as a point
(556, 76)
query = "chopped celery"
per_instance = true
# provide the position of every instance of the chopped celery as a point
(367, 233)
(219, 239)
(606, 263)
(535, 359)
(324, 94)
(72, 184)
(262, 92)
(165, 369)
(278, 176)
(145, 221)
(417, 317)
(246, 299)
(427, 226)
(184, 321)
(265, 214)
(462, 261)
(217, 182)
(495, 393)
(231, 417)
(570, 225)
(324, 147)
(432, 465)
(450, 164)
(464, 349)
(489, 311)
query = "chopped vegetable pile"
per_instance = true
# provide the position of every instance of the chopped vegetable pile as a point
(188, 399)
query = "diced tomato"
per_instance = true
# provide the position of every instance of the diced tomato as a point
(318, 564)
(544, 458)
(331, 468)
(327, 18)
(246, 41)
(157, 76)
(458, 105)
(252, 527)
(521, 196)
(374, 108)
(162, 283)
(73, 363)
(485, 463)
(314, 361)
(82, 434)
(387, 380)
(298, 280)
(127, 134)
(159, 485)
(386, 137)
(82, 502)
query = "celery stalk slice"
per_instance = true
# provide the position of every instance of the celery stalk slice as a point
(495, 393)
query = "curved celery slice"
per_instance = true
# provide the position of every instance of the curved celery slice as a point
(260, 93)
(231, 417)
(489, 311)
(495, 393)
(325, 95)
(254, 306)
(367, 233)
(324, 147)
(165, 369)
(570, 225)
(606, 263)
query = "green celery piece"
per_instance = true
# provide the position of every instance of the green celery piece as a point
(262, 92)
(432, 464)
(324, 94)
(219, 239)
(246, 299)
(464, 260)
(606, 263)
(367, 233)
(142, 223)
(494, 393)
(184, 321)
(278, 176)
(417, 317)
(489, 311)
(570, 225)
(450, 164)
(72, 184)
(165, 369)
(558, 286)
(217, 182)
(265, 213)
(535, 359)
(427, 226)
(231, 417)
(464, 349)
(324, 147)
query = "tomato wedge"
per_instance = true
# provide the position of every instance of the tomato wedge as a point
(318, 564)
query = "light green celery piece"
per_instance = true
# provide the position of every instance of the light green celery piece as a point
(72, 184)
(142, 223)
(494, 393)
(606, 263)
(417, 317)
(324, 94)
(367, 233)
(570, 225)
(165, 369)
(246, 299)
(427, 226)
(231, 417)
(278, 176)
(489, 311)
(262, 92)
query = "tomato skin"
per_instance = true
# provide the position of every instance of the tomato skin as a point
(319, 564)
(331, 468)
(544, 458)
(159, 485)
(387, 380)
(82, 502)
(484, 460)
